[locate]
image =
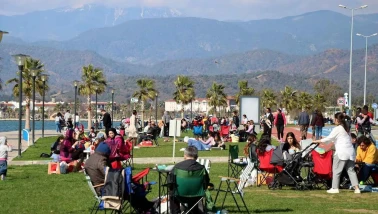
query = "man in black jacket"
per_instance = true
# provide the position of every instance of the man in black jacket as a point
(106, 120)
(235, 119)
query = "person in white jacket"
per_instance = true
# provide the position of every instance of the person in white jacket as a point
(4, 149)
(344, 156)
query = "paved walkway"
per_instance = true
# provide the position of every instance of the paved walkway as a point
(12, 137)
(295, 130)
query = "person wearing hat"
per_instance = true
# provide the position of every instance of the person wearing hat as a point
(96, 164)
(4, 149)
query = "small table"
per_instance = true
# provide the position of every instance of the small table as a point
(163, 183)
(87, 151)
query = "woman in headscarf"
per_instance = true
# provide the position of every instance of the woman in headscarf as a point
(119, 150)
(66, 148)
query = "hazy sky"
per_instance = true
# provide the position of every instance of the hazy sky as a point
(217, 9)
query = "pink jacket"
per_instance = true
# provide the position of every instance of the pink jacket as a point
(276, 116)
(118, 149)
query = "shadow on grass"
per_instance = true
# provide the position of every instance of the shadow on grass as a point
(273, 210)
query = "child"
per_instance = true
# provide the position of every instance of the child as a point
(4, 149)
(55, 148)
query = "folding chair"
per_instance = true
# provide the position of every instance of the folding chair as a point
(206, 163)
(225, 131)
(252, 165)
(322, 170)
(97, 197)
(266, 167)
(189, 188)
(234, 168)
(129, 161)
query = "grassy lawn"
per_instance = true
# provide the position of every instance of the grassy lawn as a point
(163, 150)
(28, 189)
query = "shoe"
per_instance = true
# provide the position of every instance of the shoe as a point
(333, 191)
(357, 191)
(183, 149)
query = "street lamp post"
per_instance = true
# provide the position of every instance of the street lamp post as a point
(34, 75)
(191, 110)
(112, 106)
(366, 48)
(20, 61)
(75, 97)
(96, 91)
(351, 51)
(156, 110)
(44, 78)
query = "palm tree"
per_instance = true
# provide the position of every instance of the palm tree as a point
(216, 96)
(289, 98)
(146, 92)
(184, 93)
(319, 102)
(304, 100)
(243, 90)
(27, 84)
(90, 79)
(268, 98)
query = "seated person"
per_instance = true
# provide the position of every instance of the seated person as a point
(291, 144)
(4, 149)
(264, 144)
(66, 148)
(189, 164)
(252, 140)
(80, 134)
(119, 150)
(210, 142)
(95, 167)
(92, 134)
(366, 153)
(354, 140)
(55, 148)
(145, 130)
(196, 142)
(219, 142)
(150, 133)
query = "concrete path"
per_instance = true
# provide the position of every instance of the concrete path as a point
(12, 137)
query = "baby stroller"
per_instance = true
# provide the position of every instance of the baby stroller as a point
(291, 173)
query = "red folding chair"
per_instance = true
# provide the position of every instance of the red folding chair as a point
(322, 169)
(225, 131)
(266, 167)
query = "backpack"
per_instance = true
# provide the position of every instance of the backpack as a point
(197, 130)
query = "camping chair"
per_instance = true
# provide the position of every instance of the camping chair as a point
(251, 165)
(224, 131)
(97, 197)
(234, 168)
(206, 163)
(322, 170)
(189, 188)
(130, 160)
(266, 167)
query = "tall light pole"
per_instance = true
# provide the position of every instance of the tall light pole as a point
(366, 48)
(44, 78)
(96, 91)
(112, 105)
(34, 75)
(156, 110)
(351, 51)
(75, 97)
(20, 61)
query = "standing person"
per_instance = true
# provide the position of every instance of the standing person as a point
(107, 120)
(166, 118)
(270, 117)
(280, 123)
(235, 119)
(4, 149)
(67, 116)
(133, 133)
(344, 156)
(58, 121)
(313, 116)
(319, 124)
(77, 120)
(244, 120)
(303, 122)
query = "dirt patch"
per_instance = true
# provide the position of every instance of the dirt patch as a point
(359, 211)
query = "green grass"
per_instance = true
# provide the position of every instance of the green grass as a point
(163, 150)
(28, 189)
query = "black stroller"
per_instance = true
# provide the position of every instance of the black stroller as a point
(293, 164)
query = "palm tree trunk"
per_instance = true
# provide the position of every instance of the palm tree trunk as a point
(27, 113)
(89, 112)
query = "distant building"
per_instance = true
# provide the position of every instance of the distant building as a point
(199, 105)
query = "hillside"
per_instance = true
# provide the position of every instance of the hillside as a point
(149, 41)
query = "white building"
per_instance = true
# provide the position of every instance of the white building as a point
(199, 105)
